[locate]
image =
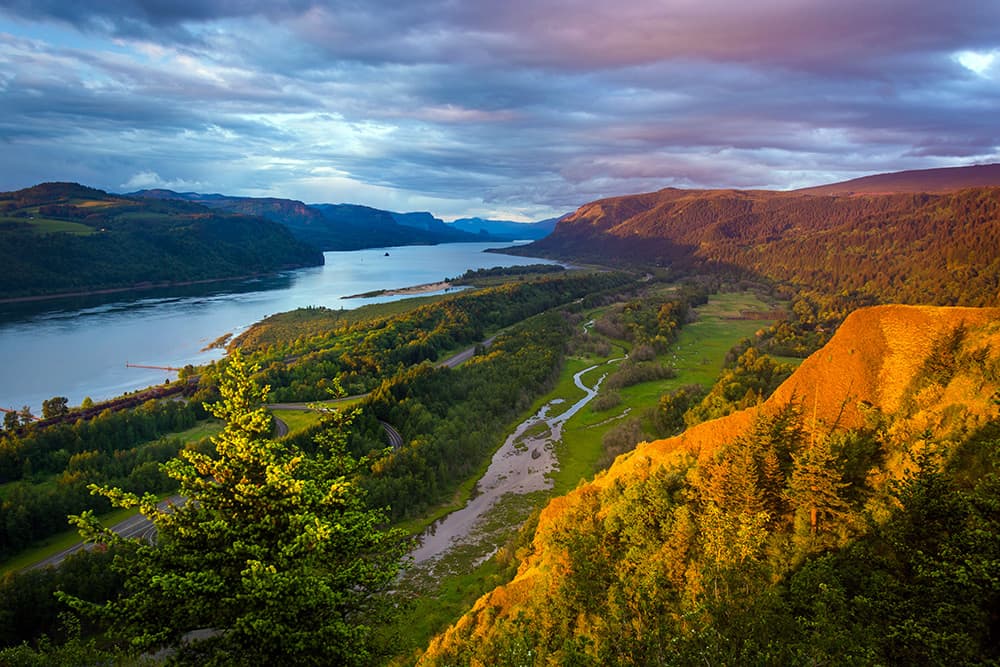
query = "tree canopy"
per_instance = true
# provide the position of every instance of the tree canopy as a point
(272, 556)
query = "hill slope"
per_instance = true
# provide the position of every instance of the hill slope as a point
(63, 238)
(673, 547)
(948, 179)
(911, 248)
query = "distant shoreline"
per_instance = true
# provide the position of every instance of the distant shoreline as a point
(404, 291)
(134, 288)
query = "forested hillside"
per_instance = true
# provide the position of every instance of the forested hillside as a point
(947, 179)
(64, 238)
(841, 511)
(851, 518)
(333, 226)
(900, 248)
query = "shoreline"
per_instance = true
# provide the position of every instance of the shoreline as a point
(405, 291)
(134, 288)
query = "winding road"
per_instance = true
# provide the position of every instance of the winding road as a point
(139, 526)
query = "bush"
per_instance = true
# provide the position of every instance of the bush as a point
(606, 401)
(631, 373)
(620, 439)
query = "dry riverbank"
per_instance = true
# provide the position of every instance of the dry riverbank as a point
(521, 466)
(426, 288)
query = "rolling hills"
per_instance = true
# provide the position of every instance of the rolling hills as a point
(59, 238)
(716, 543)
(900, 247)
(336, 226)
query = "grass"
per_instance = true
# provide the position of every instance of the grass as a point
(698, 355)
(51, 225)
(203, 429)
(427, 613)
(435, 595)
(793, 361)
(388, 309)
(298, 420)
(56, 543)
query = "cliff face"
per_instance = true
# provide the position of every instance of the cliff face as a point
(926, 374)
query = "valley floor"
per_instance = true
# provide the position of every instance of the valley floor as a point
(555, 446)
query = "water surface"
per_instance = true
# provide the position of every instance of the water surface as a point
(79, 347)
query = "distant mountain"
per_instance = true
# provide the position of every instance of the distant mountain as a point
(913, 248)
(948, 179)
(508, 228)
(64, 238)
(420, 220)
(335, 226)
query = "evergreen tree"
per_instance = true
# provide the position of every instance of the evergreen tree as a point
(274, 556)
(815, 490)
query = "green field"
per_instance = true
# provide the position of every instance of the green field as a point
(50, 225)
(203, 429)
(298, 420)
(697, 355)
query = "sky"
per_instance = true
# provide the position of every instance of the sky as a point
(521, 109)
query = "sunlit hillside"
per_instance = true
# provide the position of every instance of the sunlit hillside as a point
(686, 536)
(939, 249)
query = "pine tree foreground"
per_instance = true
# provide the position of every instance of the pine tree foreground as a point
(274, 556)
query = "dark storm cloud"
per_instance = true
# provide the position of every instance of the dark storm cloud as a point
(525, 104)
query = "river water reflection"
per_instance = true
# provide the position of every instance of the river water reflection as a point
(79, 347)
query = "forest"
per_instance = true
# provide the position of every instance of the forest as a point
(45, 470)
(65, 238)
(784, 534)
(752, 531)
(894, 248)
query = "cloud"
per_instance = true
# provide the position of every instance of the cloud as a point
(144, 180)
(533, 107)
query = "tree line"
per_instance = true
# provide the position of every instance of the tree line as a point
(898, 248)
(45, 471)
(135, 242)
(359, 355)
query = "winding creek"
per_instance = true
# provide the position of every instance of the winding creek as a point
(521, 466)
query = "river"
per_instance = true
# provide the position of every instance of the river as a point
(522, 465)
(79, 347)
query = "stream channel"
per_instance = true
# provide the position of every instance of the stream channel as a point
(521, 466)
